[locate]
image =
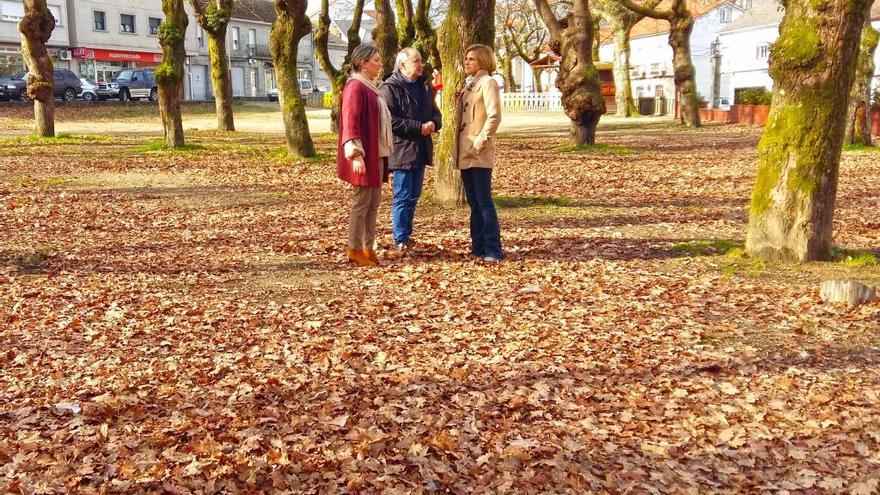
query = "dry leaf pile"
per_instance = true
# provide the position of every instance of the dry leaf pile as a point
(186, 323)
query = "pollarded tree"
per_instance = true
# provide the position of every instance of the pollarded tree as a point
(505, 50)
(36, 29)
(290, 26)
(578, 80)
(336, 75)
(214, 16)
(812, 64)
(169, 74)
(681, 23)
(858, 125)
(621, 21)
(467, 22)
(385, 36)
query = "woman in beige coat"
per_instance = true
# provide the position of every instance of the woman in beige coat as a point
(478, 112)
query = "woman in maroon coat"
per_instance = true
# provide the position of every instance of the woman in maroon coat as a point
(362, 153)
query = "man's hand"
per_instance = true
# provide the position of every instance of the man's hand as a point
(358, 165)
(428, 128)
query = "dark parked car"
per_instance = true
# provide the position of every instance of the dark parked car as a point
(67, 86)
(131, 84)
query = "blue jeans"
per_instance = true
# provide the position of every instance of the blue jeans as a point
(485, 231)
(407, 189)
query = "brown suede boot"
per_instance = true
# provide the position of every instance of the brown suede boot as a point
(359, 256)
(371, 255)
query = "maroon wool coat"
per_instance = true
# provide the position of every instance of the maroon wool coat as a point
(359, 119)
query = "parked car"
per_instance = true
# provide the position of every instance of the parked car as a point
(305, 86)
(67, 86)
(89, 90)
(131, 84)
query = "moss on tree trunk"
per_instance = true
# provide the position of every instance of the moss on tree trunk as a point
(406, 28)
(812, 64)
(36, 29)
(858, 125)
(467, 22)
(169, 74)
(290, 26)
(214, 17)
(578, 79)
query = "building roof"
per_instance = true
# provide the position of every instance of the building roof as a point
(762, 13)
(254, 10)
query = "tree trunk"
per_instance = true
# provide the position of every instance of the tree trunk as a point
(290, 26)
(169, 75)
(385, 36)
(337, 76)
(858, 125)
(426, 36)
(36, 29)
(578, 78)
(813, 66)
(622, 84)
(684, 72)
(467, 22)
(507, 70)
(539, 85)
(214, 18)
(221, 80)
(596, 41)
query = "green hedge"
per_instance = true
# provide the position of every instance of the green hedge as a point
(753, 97)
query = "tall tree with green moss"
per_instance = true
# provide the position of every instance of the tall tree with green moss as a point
(621, 21)
(385, 36)
(578, 80)
(337, 75)
(36, 28)
(858, 125)
(467, 22)
(812, 64)
(214, 16)
(426, 36)
(406, 27)
(169, 74)
(681, 24)
(290, 26)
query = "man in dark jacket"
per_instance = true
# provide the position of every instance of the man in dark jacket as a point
(414, 117)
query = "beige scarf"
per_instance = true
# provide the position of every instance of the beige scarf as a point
(386, 140)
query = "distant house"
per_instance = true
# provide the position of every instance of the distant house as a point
(651, 69)
(745, 48)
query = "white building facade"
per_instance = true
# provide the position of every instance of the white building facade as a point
(745, 48)
(651, 69)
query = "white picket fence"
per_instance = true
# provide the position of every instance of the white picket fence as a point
(531, 102)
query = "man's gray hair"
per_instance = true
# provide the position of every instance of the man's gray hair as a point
(404, 55)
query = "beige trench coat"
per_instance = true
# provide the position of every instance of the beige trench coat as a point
(478, 115)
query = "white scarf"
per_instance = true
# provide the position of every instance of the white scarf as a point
(386, 140)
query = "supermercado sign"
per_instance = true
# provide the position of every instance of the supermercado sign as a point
(116, 55)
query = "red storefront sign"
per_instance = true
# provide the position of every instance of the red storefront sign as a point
(116, 55)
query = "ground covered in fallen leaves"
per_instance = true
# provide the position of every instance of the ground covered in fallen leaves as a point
(185, 322)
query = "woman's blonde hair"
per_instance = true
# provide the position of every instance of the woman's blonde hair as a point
(484, 55)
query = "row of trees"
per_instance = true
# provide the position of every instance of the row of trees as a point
(821, 65)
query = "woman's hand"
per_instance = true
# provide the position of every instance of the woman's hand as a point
(358, 165)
